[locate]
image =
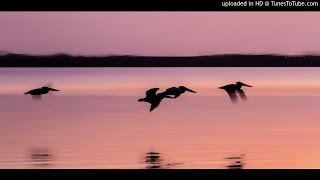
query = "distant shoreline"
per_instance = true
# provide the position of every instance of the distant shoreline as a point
(232, 60)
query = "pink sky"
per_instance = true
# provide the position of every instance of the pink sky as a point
(160, 33)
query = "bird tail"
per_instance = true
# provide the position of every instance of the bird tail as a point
(141, 100)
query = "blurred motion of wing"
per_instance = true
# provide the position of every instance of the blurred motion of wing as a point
(232, 89)
(242, 94)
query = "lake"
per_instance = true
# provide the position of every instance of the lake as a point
(95, 120)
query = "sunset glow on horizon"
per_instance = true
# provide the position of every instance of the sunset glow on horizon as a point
(100, 119)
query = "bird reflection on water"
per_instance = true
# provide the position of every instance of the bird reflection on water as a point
(41, 157)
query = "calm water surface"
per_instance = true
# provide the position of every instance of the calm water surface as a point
(95, 121)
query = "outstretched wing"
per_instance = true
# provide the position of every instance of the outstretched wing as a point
(232, 95)
(152, 92)
(242, 94)
(153, 106)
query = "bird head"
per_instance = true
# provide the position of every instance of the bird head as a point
(186, 89)
(242, 84)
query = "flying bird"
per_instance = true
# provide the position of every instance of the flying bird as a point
(232, 89)
(177, 91)
(36, 93)
(153, 98)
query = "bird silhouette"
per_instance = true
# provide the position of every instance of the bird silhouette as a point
(232, 89)
(177, 91)
(153, 98)
(36, 93)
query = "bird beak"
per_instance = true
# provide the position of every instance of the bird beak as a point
(51, 89)
(246, 85)
(190, 90)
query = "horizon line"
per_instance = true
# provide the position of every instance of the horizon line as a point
(5, 53)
